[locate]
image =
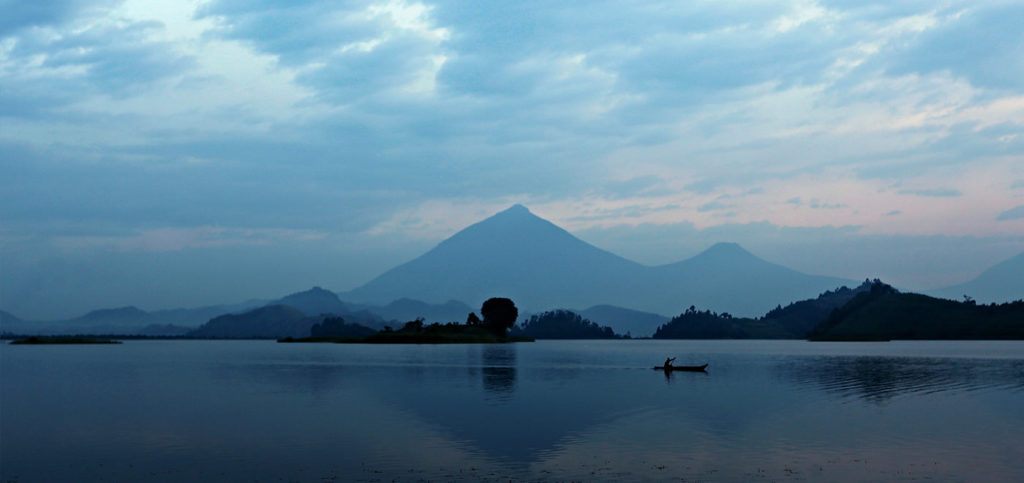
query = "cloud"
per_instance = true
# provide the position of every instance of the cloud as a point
(932, 192)
(1014, 213)
(983, 43)
(713, 206)
(119, 118)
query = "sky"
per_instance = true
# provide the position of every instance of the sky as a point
(182, 153)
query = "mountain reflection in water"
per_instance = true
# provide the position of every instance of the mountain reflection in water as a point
(880, 379)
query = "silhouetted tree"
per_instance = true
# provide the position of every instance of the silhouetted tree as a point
(499, 314)
(414, 326)
(472, 319)
(562, 324)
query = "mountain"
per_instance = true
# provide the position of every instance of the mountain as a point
(885, 313)
(8, 318)
(634, 322)
(518, 255)
(728, 278)
(1003, 282)
(268, 322)
(314, 301)
(10, 324)
(118, 316)
(791, 322)
(196, 316)
(512, 254)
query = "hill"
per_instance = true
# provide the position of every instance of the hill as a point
(269, 322)
(315, 301)
(518, 255)
(794, 321)
(8, 318)
(697, 324)
(1003, 282)
(561, 324)
(885, 313)
(118, 316)
(636, 323)
(798, 318)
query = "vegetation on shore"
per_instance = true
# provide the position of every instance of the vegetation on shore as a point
(499, 315)
(885, 313)
(562, 324)
(874, 311)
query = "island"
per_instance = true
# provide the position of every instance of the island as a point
(499, 316)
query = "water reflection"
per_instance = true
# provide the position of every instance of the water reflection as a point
(586, 411)
(499, 369)
(880, 379)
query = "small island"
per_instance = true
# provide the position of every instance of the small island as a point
(499, 316)
(39, 340)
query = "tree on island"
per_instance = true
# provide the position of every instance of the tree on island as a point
(499, 315)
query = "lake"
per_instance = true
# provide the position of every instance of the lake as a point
(544, 411)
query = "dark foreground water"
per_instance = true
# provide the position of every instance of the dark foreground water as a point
(552, 411)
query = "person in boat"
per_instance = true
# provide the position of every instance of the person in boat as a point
(668, 362)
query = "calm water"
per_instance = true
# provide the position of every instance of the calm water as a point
(552, 411)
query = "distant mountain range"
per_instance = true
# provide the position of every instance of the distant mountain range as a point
(297, 313)
(518, 255)
(541, 267)
(1003, 282)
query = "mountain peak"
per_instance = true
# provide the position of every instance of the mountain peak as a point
(517, 209)
(514, 212)
(730, 249)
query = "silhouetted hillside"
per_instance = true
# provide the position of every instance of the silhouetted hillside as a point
(194, 317)
(624, 321)
(1003, 282)
(270, 322)
(885, 313)
(562, 324)
(793, 321)
(120, 315)
(337, 327)
(798, 318)
(696, 324)
(315, 301)
(8, 318)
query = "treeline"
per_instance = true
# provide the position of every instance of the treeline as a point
(871, 311)
(563, 324)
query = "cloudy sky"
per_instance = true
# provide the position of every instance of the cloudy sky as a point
(181, 153)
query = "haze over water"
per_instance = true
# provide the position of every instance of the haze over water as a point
(553, 411)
